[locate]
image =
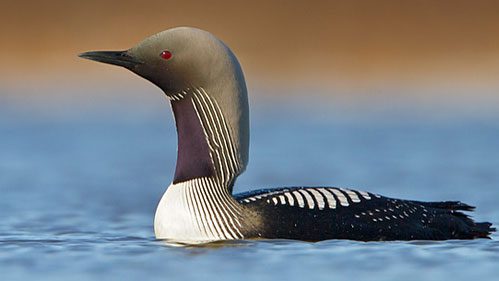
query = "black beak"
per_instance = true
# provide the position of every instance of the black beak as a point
(120, 58)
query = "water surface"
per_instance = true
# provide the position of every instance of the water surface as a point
(79, 191)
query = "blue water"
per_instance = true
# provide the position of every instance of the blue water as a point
(79, 189)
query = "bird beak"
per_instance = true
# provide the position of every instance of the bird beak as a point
(120, 58)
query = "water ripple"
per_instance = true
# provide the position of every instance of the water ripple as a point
(77, 199)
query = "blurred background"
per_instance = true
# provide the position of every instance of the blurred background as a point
(395, 97)
(425, 51)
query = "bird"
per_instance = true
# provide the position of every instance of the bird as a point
(204, 82)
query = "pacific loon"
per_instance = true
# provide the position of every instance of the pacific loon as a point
(205, 84)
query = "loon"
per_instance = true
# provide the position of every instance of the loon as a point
(205, 84)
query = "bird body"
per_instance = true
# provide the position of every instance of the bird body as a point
(205, 84)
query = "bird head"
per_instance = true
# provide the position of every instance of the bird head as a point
(186, 60)
(175, 59)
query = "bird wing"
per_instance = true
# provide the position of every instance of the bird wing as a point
(318, 213)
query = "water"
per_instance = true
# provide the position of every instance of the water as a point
(79, 190)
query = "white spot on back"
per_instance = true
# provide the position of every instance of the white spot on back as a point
(282, 199)
(299, 198)
(331, 202)
(365, 195)
(318, 197)
(353, 196)
(310, 200)
(274, 199)
(291, 200)
(341, 197)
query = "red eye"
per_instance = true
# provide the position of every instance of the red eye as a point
(166, 55)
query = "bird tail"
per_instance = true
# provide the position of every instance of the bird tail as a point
(482, 230)
(473, 229)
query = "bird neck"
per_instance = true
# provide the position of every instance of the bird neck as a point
(209, 143)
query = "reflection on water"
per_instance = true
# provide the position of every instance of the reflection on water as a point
(79, 194)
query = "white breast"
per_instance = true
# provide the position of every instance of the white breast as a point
(195, 211)
(174, 219)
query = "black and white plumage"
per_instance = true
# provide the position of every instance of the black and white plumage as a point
(319, 213)
(205, 84)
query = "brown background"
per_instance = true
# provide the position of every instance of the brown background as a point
(343, 44)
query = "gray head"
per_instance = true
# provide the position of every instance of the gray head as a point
(177, 59)
(183, 60)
